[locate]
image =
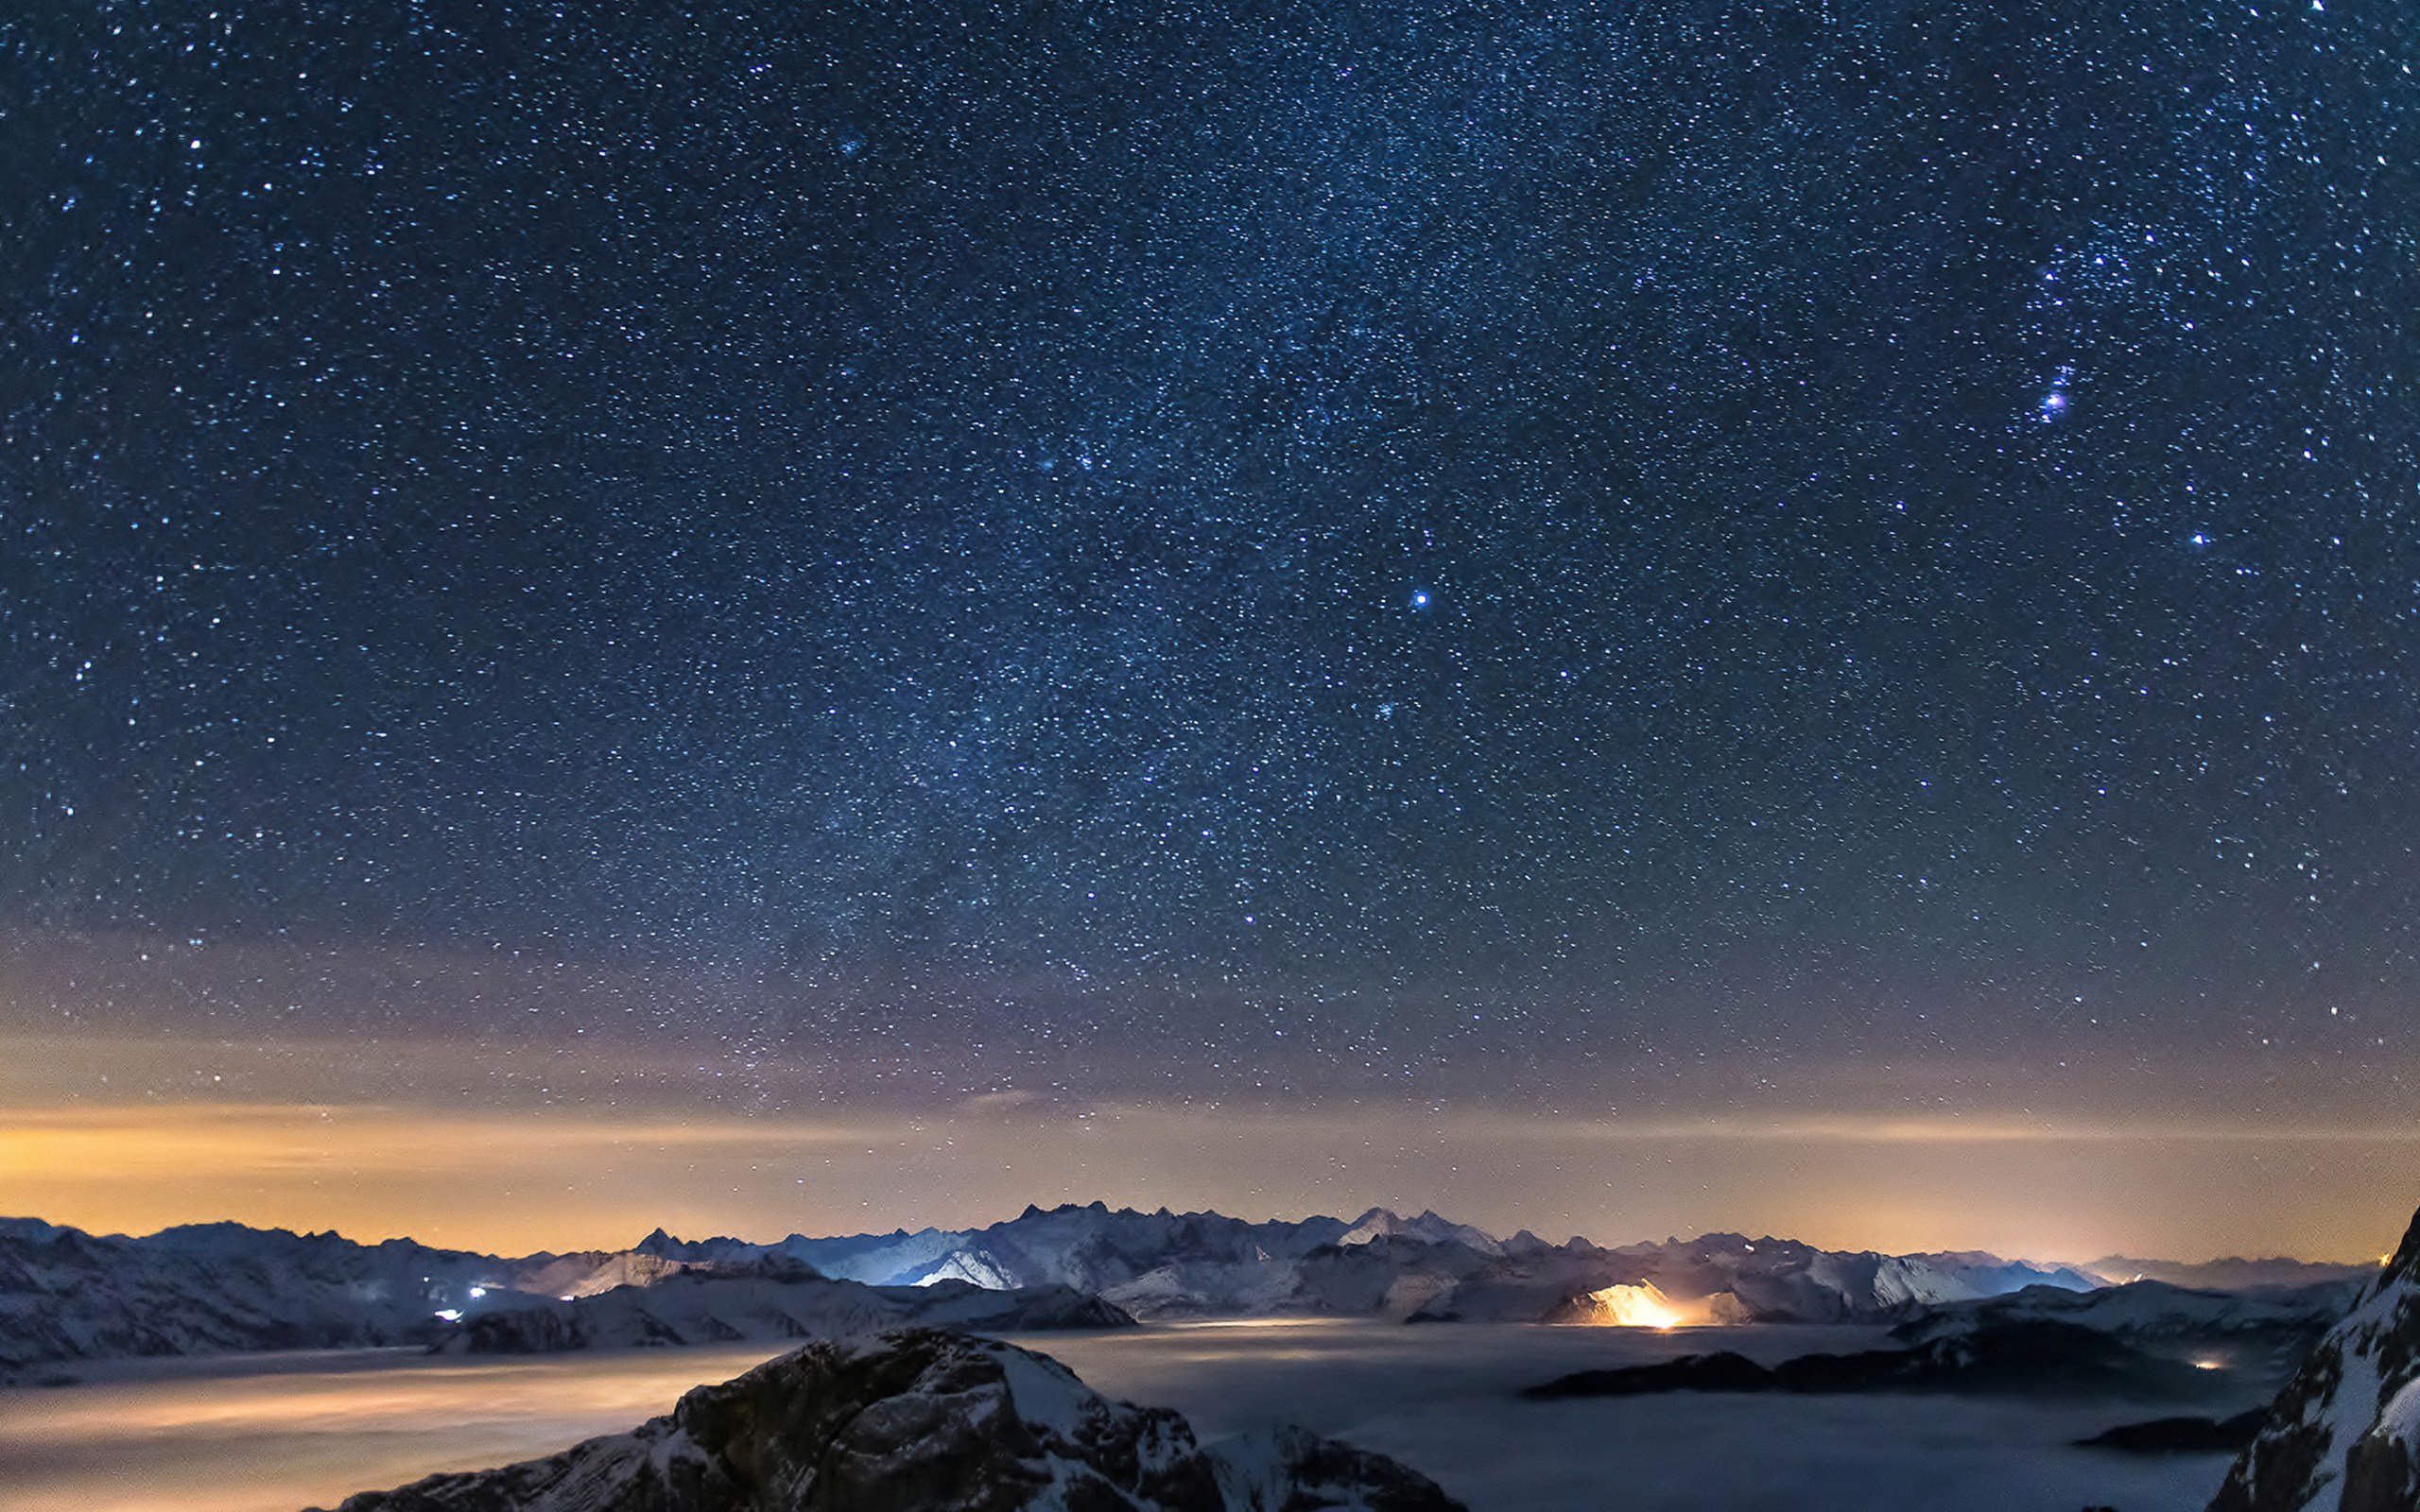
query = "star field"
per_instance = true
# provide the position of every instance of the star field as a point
(1436, 547)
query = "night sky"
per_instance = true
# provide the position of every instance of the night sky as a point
(1330, 556)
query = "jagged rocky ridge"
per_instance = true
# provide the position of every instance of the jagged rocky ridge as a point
(2345, 1433)
(923, 1421)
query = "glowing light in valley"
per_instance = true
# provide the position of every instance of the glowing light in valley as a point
(1627, 1307)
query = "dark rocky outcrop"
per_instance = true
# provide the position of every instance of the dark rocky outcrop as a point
(2181, 1435)
(1723, 1371)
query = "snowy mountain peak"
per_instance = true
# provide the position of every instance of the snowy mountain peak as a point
(2345, 1433)
(659, 1244)
(1374, 1223)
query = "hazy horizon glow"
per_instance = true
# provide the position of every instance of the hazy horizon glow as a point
(482, 1173)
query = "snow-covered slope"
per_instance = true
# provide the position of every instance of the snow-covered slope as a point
(919, 1419)
(769, 1301)
(2345, 1433)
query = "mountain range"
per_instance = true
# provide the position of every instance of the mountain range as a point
(66, 1295)
(223, 1288)
(1167, 1267)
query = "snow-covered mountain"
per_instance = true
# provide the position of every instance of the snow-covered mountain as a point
(2345, 1433)
(766, 1300)
(2263, 1333)
(919, 1418)
(67, 1294)
(1161, 1265)
(1094, 1249)
(220, 1288)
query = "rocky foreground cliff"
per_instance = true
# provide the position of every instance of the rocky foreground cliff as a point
(2345, 1433)
(918, 1420)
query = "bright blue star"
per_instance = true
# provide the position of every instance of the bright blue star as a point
(1420, 598)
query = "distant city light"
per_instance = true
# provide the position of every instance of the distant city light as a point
(1643, 1306)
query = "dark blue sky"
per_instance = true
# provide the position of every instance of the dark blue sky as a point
(1451, 547)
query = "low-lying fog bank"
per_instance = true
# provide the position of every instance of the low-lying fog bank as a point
(1440, 1399)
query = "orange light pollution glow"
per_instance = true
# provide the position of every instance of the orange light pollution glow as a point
(500, 1178)
(1643, 1306)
